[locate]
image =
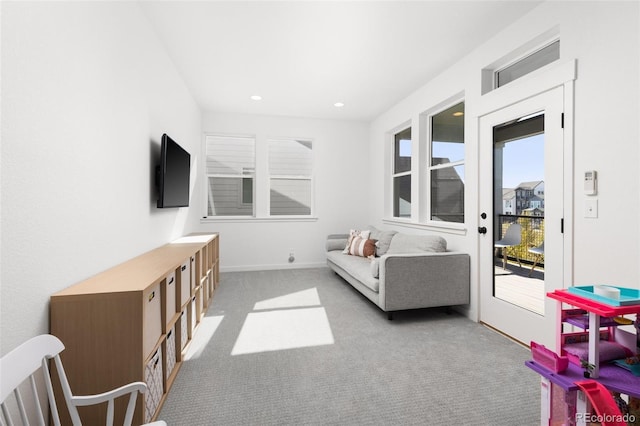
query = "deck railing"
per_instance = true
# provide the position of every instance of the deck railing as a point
(532, 236)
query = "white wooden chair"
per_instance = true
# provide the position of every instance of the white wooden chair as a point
(25, 361)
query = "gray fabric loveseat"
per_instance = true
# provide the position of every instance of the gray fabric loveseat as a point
(406, 272)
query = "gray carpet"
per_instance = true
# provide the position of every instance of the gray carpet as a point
(424, 367)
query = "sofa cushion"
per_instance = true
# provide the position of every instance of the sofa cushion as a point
(383, 239)
(358, 267)
(375, 267)
(405, 243)
(335, 243)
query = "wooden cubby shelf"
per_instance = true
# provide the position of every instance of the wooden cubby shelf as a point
(133, 322)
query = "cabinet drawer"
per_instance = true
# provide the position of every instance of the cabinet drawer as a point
(152, 325)
(153, 379)
(170, 299)
(170, 358)
(185, 283)
(184, 330)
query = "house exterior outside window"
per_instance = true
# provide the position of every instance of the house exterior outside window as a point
(526, 199)
(402, 174)
(280, 188)
(446, 165)
(230, 171)
(290, 177)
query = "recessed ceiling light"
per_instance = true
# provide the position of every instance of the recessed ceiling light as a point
(338, 104)
(458, 114)
(256, 97)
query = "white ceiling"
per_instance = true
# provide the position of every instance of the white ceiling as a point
(304, 56)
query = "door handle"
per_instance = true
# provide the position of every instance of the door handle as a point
(482, 230)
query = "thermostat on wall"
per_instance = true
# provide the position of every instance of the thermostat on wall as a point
(591, 182)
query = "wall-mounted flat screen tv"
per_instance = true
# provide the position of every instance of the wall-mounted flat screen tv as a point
(173, 174)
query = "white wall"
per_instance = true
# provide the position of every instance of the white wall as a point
(87, 92)
(341, 181)
(604, 38)
(606, 43)
(84, 82)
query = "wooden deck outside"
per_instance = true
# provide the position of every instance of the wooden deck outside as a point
(513, 285)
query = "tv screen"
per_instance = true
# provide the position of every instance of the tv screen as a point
(173, 174)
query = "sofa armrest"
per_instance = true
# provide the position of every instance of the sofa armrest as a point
(422, 280)
(336, 242)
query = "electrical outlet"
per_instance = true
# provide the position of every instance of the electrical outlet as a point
(292, 256)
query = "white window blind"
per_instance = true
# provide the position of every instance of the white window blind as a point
(290, 177)
(230, 168)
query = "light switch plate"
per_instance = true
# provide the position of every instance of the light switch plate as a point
(591, 208)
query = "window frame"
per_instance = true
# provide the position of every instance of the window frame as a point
(488, 74)
(428, 167)
(241, 193)
(394, 174)
(261, 183)
(421, 172)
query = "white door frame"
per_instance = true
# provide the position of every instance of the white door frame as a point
(515, 321)
(551, 76)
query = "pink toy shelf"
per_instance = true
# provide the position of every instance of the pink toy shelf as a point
(561, 374)
(597, 314)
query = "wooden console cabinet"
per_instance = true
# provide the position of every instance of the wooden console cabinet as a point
(133, 323)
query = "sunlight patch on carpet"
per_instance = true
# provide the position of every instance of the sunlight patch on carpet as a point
(285, 329)
(206, 329)
(293, 300)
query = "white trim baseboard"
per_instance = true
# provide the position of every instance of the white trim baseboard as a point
(247, 268)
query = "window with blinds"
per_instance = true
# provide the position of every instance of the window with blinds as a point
(290, 177)
(230, 169)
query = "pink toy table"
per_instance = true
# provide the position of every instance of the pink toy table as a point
(592, 305)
